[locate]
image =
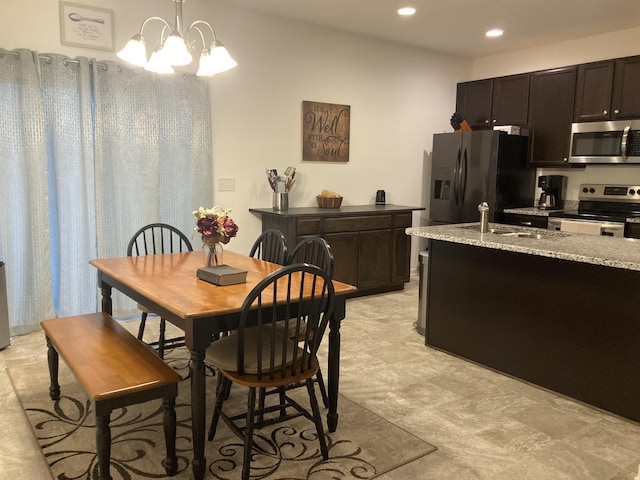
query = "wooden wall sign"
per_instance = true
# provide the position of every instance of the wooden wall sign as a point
(325, 132)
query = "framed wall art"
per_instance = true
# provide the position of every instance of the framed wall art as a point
(86, 26)
(325, 132)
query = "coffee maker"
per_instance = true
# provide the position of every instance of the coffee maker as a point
(553, 189)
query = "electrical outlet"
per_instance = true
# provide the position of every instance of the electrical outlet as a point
(227, 184)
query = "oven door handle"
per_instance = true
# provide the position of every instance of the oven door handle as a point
(623, 143)
(607, 228)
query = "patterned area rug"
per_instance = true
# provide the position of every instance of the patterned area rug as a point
(363, 447)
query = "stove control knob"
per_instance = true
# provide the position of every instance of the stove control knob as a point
(592, 190)
(632, 192)
(585, 190)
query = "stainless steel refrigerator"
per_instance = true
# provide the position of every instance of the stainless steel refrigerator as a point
(479, 166)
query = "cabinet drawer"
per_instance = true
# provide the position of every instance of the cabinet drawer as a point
(309, 226)
(355, 224)
(402, 220)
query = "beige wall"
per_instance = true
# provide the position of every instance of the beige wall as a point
(623, 43)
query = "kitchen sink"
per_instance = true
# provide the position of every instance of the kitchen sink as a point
(519, 232)
(509, 233)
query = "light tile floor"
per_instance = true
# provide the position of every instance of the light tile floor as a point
(487, 426)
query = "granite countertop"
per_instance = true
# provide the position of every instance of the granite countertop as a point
(616, 252)
(569, 205)
(530, 211)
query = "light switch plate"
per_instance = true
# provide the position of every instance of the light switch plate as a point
(227, 184)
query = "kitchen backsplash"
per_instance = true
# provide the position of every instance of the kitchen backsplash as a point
(611, 174)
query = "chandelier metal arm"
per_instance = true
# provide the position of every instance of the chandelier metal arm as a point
(166, 24)
(194, 26)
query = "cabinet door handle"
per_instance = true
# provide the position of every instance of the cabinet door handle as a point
(604, 112)
(616, 111)
(526, 224)
(494, 120)
(486, 122)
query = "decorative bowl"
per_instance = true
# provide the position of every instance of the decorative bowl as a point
(329, 202)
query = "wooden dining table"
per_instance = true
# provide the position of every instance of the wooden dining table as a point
(167, 285)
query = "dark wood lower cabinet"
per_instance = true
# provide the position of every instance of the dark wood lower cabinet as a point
(368, 243)
(375, 256)
(567, 326)
(344, 247)
(632, 230)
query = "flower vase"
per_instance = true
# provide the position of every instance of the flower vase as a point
(213, 254)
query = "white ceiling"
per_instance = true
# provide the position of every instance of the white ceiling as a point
(457, 26)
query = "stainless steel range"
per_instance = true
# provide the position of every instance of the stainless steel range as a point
(602, 210)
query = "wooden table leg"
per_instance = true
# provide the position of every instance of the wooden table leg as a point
(198, 393)
(54, 361)
(105, 290)
(334, 373)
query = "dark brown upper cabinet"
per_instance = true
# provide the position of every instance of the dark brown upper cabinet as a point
(473, 102)
(625, 99)
(498, 101)
(510, 102)
(608, 90)
(551, 110)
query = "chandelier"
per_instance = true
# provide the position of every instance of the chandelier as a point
(175, 51)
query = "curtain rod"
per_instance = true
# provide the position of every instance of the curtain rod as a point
(48, 59)
(66, 61)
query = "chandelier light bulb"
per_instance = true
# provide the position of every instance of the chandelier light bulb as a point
(134, 52)
(175, 50)
(158, 64)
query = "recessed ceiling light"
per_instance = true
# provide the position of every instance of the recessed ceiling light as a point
(495, 32)
(406, 11)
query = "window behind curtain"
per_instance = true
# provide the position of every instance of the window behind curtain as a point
(114, 149)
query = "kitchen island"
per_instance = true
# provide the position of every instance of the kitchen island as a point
(556, 309)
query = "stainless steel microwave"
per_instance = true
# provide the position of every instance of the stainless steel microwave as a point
(605, 142)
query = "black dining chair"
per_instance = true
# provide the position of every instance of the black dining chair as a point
(314, 251)
(261, 357)
(152, 239)
(270, 246)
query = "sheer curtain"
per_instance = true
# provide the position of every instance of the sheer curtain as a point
(66, 92)
(153, 156)
(24, 213)
(92, 151)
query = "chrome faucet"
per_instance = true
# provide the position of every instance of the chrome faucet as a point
(483, 208)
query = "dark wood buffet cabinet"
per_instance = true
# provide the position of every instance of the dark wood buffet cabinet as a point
(546, 102)
(368, 243)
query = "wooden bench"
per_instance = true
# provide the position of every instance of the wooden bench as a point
(115, 370)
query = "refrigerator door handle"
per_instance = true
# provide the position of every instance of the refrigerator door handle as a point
(463, 176)
(456, 183)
